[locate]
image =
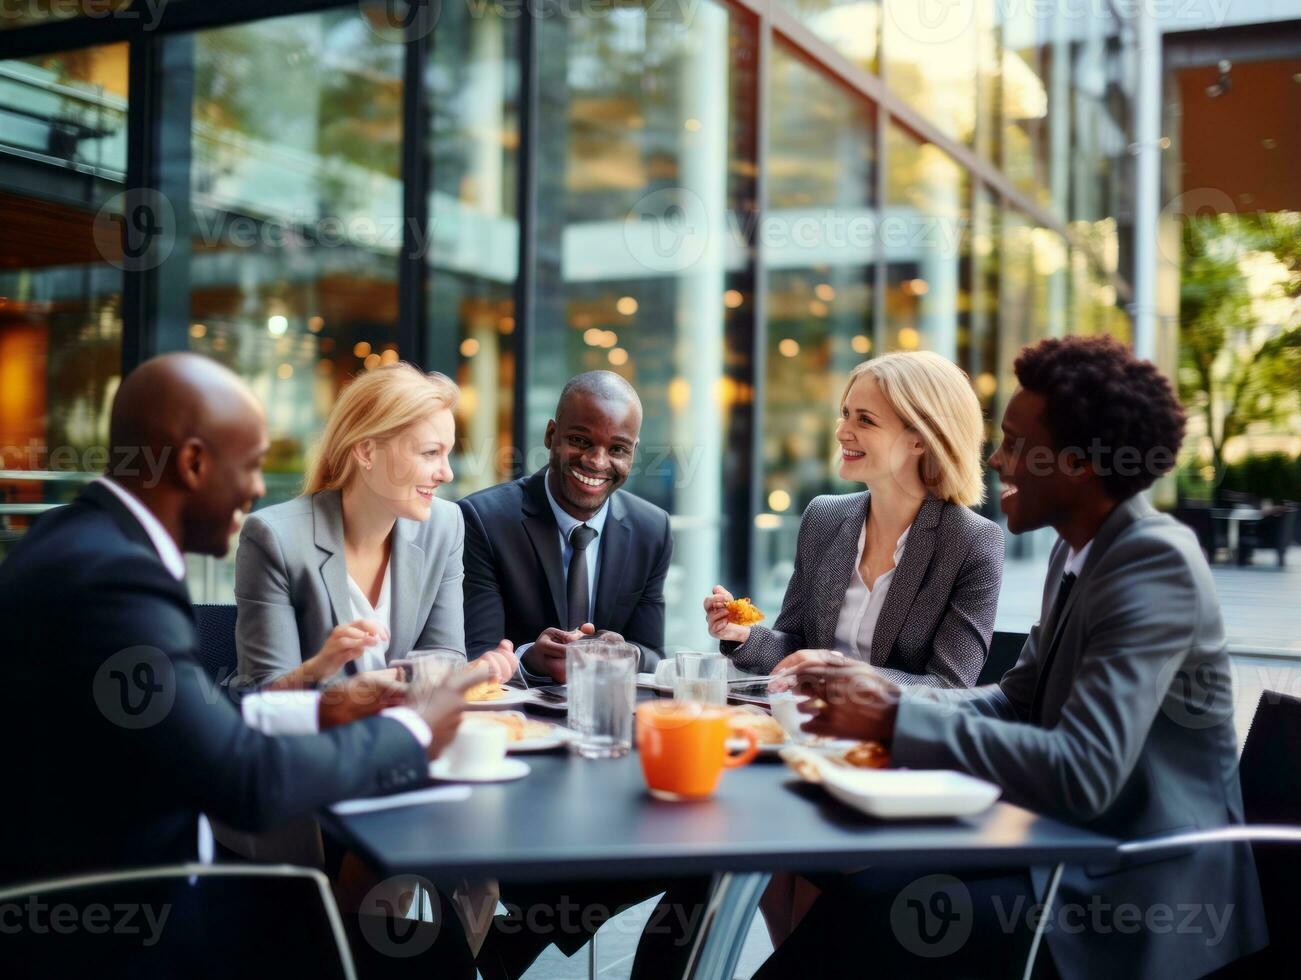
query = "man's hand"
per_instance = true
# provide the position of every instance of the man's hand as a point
(547, 654)
(441, 706)
(502, 661)
(359, 697)
(346, 642)
(849, 700)
(720, 628)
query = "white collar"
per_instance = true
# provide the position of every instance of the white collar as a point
(566, 521)
(1075, 559)
(171, 555)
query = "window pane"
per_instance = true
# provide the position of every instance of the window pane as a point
(282, 152)
(820, 246)
(63, 154)
(646, 176)
(926, 197)
(473, 86)
(852, 27)
(931, 60)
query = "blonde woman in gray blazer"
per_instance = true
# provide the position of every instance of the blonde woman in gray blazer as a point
(904, 575)
(366, 565)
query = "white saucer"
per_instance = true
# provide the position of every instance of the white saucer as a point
(554, 739)
(506, 771)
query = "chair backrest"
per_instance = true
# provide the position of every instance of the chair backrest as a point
(1004, 648)
(192, 921)
(1271, 794)
(216, 640)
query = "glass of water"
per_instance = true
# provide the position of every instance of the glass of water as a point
(432, 668)
(602, 681)
(701, 677)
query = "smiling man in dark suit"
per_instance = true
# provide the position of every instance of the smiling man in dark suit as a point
(565, 551)
(548, 558)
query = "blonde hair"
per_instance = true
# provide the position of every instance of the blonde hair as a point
(376, 405)
(934, 399)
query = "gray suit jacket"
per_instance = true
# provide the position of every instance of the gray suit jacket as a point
(1137, 741)
(938, 616)
(291, 583)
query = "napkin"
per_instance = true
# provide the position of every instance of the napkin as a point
(432, 794)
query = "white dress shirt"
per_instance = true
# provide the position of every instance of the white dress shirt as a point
(862, 606)
(1075, 559)
(375, 657)
(270, 712)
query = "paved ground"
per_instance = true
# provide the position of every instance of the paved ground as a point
(1262, 615)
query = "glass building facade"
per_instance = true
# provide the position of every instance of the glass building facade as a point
(730, 204)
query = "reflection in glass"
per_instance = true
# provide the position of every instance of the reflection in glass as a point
(645, 202)
(473, 91)
(925, 197)
(932, 60)
(819, 242)
(294, 212)
(852, 27)
(63, 143)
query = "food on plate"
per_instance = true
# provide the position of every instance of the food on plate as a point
(764, 726)
(868, 755)
(518, 726)
(487, 691)
(743, 612)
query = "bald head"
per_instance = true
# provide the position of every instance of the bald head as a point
(605, 386)
(187, 436)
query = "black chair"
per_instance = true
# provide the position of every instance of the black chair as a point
(1004, 648)
(216, 651)
(195, 921)
(1274, 531)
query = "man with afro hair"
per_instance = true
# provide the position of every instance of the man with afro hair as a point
(1117, 716)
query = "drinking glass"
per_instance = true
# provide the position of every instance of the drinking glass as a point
(432, 668)
(602, 680)
(701, 677)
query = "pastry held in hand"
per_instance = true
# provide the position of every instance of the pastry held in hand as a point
(743, 612)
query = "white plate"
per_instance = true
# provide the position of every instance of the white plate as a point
(508, 770)
(513, 695)
(772, 748)
(558, 736)
(909, 793)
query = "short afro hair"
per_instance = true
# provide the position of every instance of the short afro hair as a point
(1118, 412)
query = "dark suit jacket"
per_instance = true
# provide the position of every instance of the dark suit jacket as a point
(96, 629)
(514, 583)
(1137, 741)
(938, 615)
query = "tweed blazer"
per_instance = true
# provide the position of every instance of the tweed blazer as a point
(938, 617)
(291, 583)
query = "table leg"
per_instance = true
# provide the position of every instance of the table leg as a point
(725, 925)
(1050, 896)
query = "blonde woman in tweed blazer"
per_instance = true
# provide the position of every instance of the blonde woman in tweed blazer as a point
(902, 575)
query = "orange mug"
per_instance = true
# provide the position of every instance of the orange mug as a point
(683, 748)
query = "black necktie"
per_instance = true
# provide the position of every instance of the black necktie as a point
(579, 538)
(1059, 604)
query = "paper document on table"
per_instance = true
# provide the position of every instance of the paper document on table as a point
(432, 794)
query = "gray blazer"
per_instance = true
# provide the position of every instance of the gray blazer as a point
(291, 583)
(1137, 741)
(938, 616)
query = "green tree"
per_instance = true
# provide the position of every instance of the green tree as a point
(1231, 371)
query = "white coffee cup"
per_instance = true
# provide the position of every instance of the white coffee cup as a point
(785, 708)
(666, 672)
(478, 748)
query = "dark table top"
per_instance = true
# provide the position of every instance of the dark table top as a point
(577, 818)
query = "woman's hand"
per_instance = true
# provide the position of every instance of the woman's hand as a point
(502, 661)
(791, 665)
(716, 614)
(346, 642)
